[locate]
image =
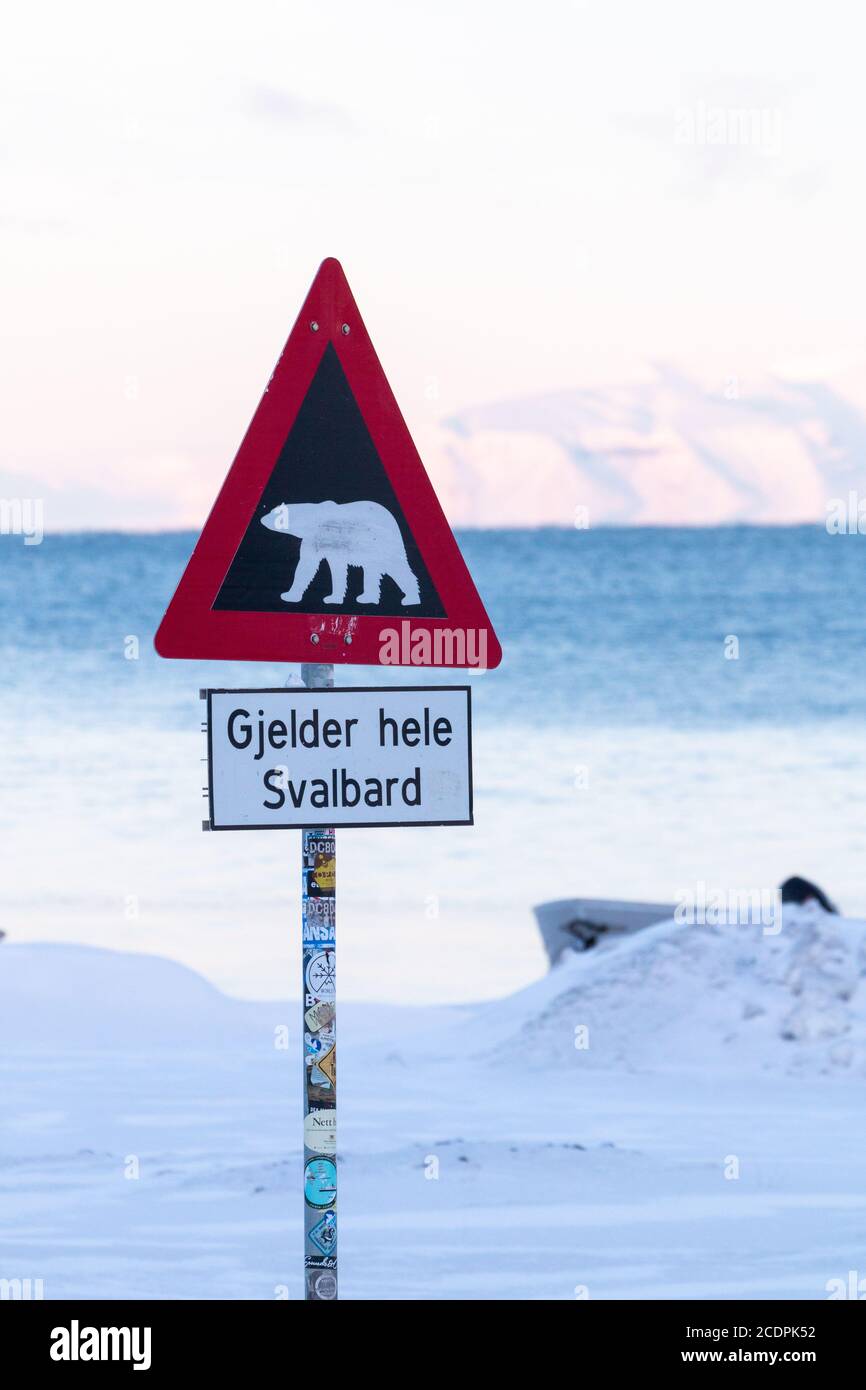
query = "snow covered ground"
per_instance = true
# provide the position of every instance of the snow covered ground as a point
(707, 1142)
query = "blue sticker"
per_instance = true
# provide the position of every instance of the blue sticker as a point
(320, 1182)
(318, 931)
(324, 1233)
(316, 1044)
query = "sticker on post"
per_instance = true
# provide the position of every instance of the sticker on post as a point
(319, 1016)
(324, 1234)
(321, 975)
(321, 1284)
(328, 1065)
(320, 1131)
(320, 1182)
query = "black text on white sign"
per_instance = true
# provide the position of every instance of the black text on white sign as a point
(355, 757)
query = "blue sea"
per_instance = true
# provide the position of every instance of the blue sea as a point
(674, 707)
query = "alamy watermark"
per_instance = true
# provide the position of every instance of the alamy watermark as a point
(852, 1287)
(21, 1290)
(77, 1343)
(443, 646)
(741, 127)
(846, 516)
(22, 516)
(703, 905)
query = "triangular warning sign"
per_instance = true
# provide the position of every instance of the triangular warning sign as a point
(327, 542)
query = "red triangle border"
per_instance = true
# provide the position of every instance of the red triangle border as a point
(192, 629)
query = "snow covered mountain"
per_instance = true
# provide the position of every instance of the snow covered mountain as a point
(664, 450)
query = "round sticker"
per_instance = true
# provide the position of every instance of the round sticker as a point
(324, 1284)
(320, 1182)
(322, 975)
(320, 1131)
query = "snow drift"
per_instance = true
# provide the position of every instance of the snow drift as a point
(687, 996)
(606, 1168)
(670, 996)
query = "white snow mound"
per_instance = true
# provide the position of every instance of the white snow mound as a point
(676, 996)
(57, 997)
(669, 997)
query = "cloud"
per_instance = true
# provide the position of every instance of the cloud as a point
(729, 129)
(278, 106)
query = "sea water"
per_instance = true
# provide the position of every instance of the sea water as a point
(677, 711)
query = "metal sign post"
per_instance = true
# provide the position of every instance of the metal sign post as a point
(284, 758)
(319, 1034)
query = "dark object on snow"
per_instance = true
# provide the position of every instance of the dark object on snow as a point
(800, 890)
(579, 924)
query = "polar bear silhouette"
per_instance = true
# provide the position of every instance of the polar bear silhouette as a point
(341, 534)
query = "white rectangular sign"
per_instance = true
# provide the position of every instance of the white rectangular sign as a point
(292, 757)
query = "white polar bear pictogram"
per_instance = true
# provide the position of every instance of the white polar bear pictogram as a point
(343, 534)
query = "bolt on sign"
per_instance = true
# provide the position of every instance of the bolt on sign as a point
(327, 545)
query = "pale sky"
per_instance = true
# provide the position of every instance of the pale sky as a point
(524, 197)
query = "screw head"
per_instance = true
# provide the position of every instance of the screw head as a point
(348, 639)
(345, 328)
(314, 638)
(314, 326)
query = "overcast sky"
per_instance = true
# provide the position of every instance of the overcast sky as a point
(524, 197)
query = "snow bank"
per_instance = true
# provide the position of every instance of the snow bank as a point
(691, 996)
(58, 997)
(555, 1167)
(669, 997)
